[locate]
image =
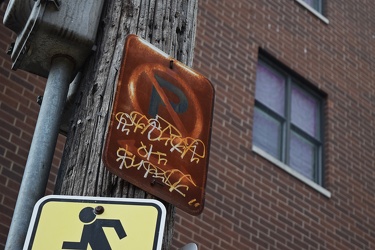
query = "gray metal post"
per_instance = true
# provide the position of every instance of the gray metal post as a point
(41, 151)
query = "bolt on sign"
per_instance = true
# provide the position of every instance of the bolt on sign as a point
(97, 223)
(160, 127)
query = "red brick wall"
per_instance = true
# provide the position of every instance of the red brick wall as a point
(251, 203)
(18, 114)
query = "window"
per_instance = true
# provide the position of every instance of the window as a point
(316, 7)
(288, 121)
(315, 4)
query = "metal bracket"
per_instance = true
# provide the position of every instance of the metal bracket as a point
(55, 2)
(10, 49)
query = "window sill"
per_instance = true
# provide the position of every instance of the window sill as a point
(291, 171)
(312, 10)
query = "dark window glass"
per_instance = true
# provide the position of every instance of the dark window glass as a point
(287, 120)
(302, 155)
(316, 4)
(271, 88)
(305, 111)
(268, 133)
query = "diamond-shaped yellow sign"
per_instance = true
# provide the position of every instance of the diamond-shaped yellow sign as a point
(73, 222)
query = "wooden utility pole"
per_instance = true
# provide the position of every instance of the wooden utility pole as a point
(168, 24)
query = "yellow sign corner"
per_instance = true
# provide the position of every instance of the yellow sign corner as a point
(81, 222)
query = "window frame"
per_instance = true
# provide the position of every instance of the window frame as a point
(287, 127)
(317, 5)
(317, 12)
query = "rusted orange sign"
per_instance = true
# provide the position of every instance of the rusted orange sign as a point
(159, 133)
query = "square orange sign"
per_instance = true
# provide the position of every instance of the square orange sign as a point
(160, 127)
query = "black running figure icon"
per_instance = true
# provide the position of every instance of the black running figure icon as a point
(93, 232)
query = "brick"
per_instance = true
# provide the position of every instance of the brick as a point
(9, 127)
(4, 72)
(12, 111)
(21, 82)
(6, 144)
(26, 127)
(8, 173)
(15, 158)
(7, 117)
(5, 161)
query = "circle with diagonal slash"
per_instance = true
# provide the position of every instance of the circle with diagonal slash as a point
(143, 84)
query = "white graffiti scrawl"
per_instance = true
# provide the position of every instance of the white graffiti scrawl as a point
(149, 161)
(128, 160)
(158, 129)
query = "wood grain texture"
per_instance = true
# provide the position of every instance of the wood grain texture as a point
(168, 24)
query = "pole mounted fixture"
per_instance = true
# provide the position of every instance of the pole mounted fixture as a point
(49, 28)
(53, 40)
(17, 14)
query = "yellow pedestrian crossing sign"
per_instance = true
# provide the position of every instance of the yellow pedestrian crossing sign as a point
(96, 223)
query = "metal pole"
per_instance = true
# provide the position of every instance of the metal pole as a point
(41, 152)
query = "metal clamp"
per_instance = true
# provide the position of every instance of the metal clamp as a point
(55, 2)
